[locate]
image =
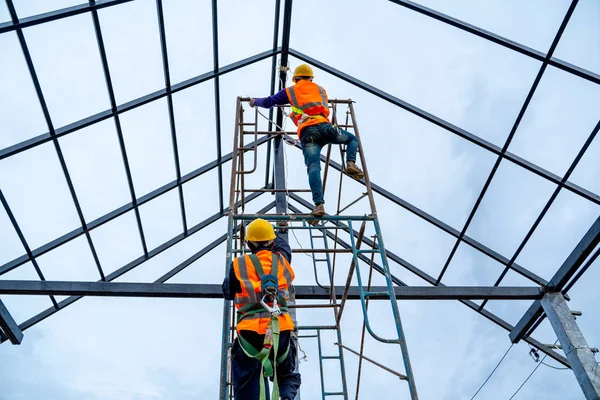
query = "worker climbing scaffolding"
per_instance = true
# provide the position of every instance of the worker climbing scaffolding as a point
(259, 283)
(310, 113)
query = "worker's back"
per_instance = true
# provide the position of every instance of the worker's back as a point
(250, 270)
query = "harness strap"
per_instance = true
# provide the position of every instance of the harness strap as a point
(267, 369)
(259, 268)
(271, 341)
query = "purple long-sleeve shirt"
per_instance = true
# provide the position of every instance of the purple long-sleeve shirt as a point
(278, 99)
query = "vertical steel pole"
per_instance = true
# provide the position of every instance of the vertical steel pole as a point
(278, 160)
(582, 360)
(280, 196)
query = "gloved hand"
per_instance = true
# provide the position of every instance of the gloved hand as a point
(251, 102)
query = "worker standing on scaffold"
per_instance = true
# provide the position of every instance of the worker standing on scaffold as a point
(310, 113)
(259, 284)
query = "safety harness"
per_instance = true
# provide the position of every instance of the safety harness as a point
(273, 303)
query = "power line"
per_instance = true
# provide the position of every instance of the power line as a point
(552, 366)
(535, 369)
(494, 370)
(524, 382)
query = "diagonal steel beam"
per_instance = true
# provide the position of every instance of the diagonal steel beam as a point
(451, 128)
(120, 211)
(567, 270)
(170, 107)
(75, 126)
(443, 226)
(9, 326)
(117, 121)
(202, 252)
(487, 35)
(131, 265)
(547, 207)
(58, 14)
(50, 125)
(29, 257)
(507, 142)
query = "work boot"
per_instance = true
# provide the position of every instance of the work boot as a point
(353, 170)
(319, 210)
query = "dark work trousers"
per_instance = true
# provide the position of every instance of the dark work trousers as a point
(246, 371)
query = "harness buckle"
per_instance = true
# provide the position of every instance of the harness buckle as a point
(274, 310)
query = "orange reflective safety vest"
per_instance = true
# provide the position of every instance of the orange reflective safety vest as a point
(250, 315)
(309, 104)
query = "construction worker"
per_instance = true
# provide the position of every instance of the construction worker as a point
(310, 113)
(259, 284)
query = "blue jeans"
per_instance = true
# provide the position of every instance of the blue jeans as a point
(313, 138)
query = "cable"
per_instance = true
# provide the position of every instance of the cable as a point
(533, 352)
(552, 366)
(535, 369)
(524, 382)
(494, 370)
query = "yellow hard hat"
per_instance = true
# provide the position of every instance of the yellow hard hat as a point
(303, 70)
(259, 230)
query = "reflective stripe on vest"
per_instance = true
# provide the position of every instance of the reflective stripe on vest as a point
(245, 280)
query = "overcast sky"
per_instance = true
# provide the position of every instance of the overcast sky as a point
(121, 349)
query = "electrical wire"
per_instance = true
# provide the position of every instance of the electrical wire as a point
(552, 366)
(526, 379)
(535, 369)
(536, 358)
(494, 370)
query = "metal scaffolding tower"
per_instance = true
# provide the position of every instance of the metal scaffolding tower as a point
(317, 229)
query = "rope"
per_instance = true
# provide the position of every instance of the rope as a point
(492, 373)
(304, 358)
(283, 68)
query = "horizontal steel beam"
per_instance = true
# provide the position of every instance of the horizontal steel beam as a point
(58, 14)
(482, 33)
(567, 270)
(451, 128)
(302, 217)
(65, 130)
(9, 326)
(177, 290)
